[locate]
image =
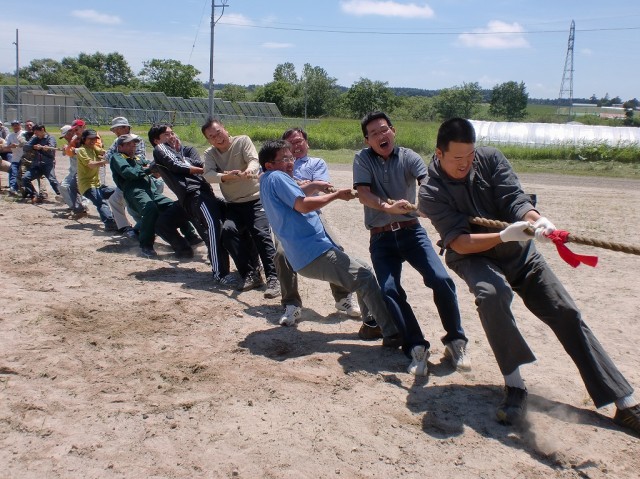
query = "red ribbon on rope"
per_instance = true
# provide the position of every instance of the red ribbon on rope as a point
(559, 238)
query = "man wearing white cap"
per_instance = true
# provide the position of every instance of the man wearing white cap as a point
(157, 213)
(120, 126)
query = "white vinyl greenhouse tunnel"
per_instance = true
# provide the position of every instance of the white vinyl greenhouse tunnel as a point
(541, 134)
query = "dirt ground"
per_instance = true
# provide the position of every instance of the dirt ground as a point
(116, 366)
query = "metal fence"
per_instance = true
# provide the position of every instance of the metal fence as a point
(65, 114)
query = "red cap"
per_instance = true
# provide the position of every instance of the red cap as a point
(77, 123)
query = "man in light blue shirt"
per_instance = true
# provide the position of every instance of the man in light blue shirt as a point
(292, 214)
(307, 169)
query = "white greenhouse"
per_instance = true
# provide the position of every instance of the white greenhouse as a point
(539, 134)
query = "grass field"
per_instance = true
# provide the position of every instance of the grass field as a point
(336, 140)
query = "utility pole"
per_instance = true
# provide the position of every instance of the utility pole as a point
(16, 43)
(213, 26)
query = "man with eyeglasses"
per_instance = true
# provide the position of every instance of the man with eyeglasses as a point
(292, 212)
(386, 178)
(306, 169)
(464, 181)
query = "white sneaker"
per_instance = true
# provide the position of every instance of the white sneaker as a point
(419, 357)
(349, 306)
(456, 351)
(292, 313)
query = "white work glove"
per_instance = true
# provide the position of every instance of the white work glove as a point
(543, 227)
(515, 232)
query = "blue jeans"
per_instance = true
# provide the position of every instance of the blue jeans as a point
(98, 197)
(388, 251)
(14, 170)
(45, 168)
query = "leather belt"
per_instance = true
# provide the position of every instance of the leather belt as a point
(398, 225)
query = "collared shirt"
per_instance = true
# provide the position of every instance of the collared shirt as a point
(490, 190)
(394, 179)
(141, 151)
(16, 139)
(310, 168)
(128, 173)
(302, 235)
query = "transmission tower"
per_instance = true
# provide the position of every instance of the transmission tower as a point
(566, 87)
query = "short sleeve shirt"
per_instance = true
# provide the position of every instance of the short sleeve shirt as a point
(302, 235)
(393, 179)
(310, 168)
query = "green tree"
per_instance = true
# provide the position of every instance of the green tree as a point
(231, 92)
(509, 101)
(278, 92)
(172, 77)
(96, 71)
(366, 95)
(112, 68)
(46, 71)
(458, 101)
(317, 90)
(285, 72)
(415, 108)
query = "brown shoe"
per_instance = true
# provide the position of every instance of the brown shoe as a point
(629, 418)
(369, 333)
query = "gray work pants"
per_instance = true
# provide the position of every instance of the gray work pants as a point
(493, 277)
(354, 276)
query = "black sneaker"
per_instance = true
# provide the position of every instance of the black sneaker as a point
(194, 240)
(184, 253)
(128, 232)
(251, 281)
(629, 418)
(148, 252)
(110, 225)
(513, 408)
(228, 280)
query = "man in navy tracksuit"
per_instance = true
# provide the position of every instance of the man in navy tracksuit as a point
(182, 174)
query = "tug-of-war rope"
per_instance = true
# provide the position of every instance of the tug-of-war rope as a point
(558, 237)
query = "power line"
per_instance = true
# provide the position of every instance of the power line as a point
(204, 6)
(429, 33)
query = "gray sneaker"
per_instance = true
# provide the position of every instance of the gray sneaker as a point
(273, 288)
(456, 351)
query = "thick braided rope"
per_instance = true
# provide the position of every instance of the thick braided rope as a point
(624, 248)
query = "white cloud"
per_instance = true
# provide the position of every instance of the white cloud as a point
(497, 35)
(274, 45)
(586, 52)
(96, 17)
(234, 19)
(387, 8)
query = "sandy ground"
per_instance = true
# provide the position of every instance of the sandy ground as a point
(116, 366)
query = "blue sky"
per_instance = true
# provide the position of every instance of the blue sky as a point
(407, 43)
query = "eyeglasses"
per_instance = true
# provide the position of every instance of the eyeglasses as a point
(286, 159)
(382, 131)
